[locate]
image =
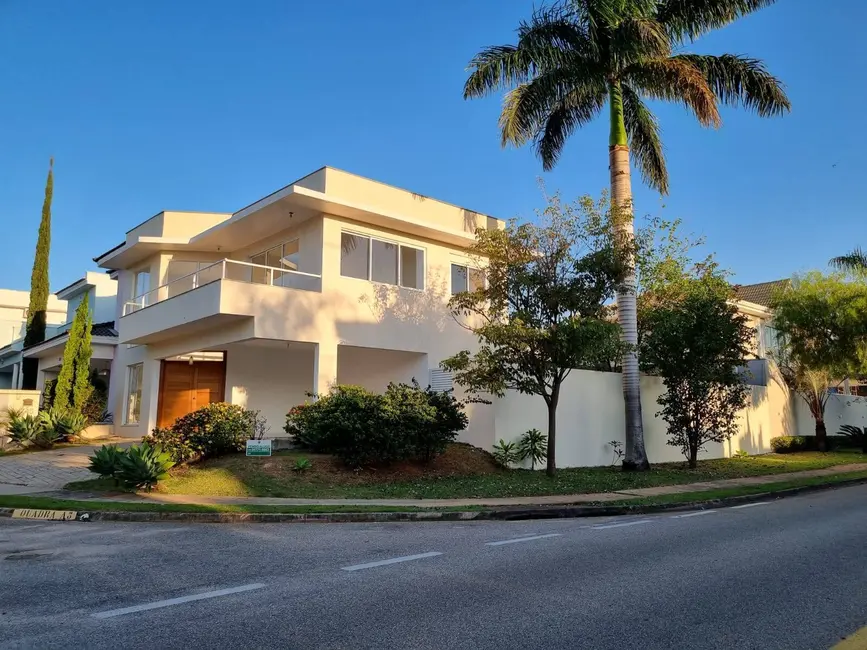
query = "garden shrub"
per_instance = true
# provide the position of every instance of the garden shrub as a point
(788, 444)
(144, 465)
(361, 427)
(213, 430)
(105, 461)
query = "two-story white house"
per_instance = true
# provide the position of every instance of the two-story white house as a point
(333, 278)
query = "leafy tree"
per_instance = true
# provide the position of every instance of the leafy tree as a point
(543, 309)
(577, 55)
(822, 320)
(695, 340)
(38, 306)
(73, 387)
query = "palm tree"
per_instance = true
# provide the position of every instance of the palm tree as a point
(573, 58)
(855, 262)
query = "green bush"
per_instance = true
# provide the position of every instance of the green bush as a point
(106, 461)
(302, 465)
(66, 424)
(788, 444)
(23, 427)
(144, 465)
(533, 445)
(213, 430)
(172, 442)
(506, 453)
(449, 420)
(361, 427)
(853, 436)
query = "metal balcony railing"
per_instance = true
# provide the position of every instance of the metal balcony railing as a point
(225, 270)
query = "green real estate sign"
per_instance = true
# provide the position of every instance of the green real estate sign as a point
(258, 447)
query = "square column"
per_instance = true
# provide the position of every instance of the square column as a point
(16, 372)
(324, 367)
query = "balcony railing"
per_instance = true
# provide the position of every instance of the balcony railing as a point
(225, 270)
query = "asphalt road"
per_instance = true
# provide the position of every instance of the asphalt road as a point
(788, 574)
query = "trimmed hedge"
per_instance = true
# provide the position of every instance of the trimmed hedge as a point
(365, 428)
(790, 444)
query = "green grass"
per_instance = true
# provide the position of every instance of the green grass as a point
(241, 476)
(50, 503)
(745, 490)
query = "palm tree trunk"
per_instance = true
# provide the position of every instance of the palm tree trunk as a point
(635, 457)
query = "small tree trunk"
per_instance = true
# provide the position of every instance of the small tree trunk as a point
(821, 435)
(693, 456)
(551, 468)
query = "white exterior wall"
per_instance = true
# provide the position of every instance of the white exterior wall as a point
(13, 314)
(591, 414)
(374, 369)
(270, 380)
(840, 410)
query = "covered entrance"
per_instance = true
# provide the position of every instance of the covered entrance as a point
(188, 383)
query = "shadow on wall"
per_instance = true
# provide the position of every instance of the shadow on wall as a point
(390, 304)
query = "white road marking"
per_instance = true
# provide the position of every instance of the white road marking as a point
(394, 560)
(698, 513)
(177, 601)
(522, 539)
(751, 505)
(625, 523)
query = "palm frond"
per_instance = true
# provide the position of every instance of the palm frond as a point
(854, 261)
(742, 81)
(575, 110)
(645, 144)
(545, 43)
(676, 80)
(637, 38)
(689, 19)
(527, 108)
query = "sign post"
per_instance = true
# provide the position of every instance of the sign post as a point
(258, 447)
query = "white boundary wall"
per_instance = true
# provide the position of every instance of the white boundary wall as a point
(591, 414)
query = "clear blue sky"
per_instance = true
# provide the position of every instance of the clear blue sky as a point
(209, 106)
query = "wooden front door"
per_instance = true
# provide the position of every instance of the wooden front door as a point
(185, 387)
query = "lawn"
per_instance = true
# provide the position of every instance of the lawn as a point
(462, 472)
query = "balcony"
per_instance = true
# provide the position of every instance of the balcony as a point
(211, 297)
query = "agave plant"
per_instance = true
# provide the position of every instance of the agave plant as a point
(106, 461)
(144, 465)
(23, 428)
(66, 423)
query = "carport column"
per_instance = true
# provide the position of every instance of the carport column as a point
(15, 373)
(324, 367)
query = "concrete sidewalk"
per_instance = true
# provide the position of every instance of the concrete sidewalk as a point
(562, 499)
(40, 471)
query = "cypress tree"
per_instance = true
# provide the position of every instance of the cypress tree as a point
(36, 312)
(73, 383)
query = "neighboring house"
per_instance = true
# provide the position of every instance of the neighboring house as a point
(13, 322)
(101, 290)
(335, 278)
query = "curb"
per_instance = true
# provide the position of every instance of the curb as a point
(506, 513)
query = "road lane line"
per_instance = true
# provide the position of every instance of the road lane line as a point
(522, 539)
(626, 523)
(177, 601)
(751, 505)
(394, 560)
(698, 513)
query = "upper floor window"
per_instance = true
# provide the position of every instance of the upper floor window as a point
(284, 256)
(141, 283)
(466, 278)
(369, 258)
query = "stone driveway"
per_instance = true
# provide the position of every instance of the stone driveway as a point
(41, 471)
